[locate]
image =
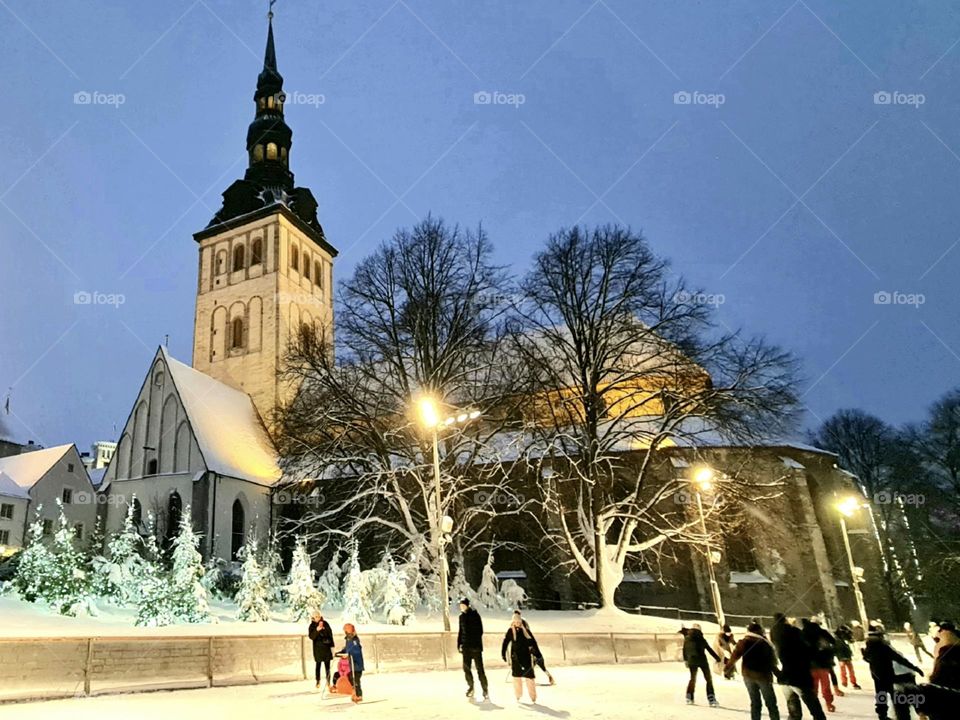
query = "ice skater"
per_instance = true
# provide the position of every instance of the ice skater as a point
(538, 660)
(695, 649)
(321, 634)
(523, 649)
(916, 641)
(470, 646)
(723, 646)
(353, 651)
(884, 662)
(758, 664)
(796, 680)
(844, 638)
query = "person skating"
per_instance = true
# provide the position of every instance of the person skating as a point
(695, 649)
(916, 641)
(821, 656)
(881, 658)
(321, 634)
(470, 646)
(758, 665)
(353, 650)
(946, 663)
(523, 649)
(796, 680)
(723, 646)
(538, 660)
(844, 636)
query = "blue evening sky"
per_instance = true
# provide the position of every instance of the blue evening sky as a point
(785, 185)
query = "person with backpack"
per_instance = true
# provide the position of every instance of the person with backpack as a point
(470, 646)
(695, 649)
(523, 649)
(321, 634)
(758, 665)
(821, 645)
(844, 637)
(796, 680)
(353, 651)
(886, 665)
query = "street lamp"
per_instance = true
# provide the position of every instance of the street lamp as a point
(846, 508)
(429, 412)
(703, 482)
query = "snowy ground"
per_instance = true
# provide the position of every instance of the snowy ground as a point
(23, 619)
(611, 692)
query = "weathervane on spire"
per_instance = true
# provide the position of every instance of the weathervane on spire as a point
(270, 10)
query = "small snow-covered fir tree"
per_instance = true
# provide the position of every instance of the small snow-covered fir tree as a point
(93, 559)
(253, 595)
(512, 596)
(303, 596)
(68, 581)
(156, 601)
(121, 575)
(460, 588)
(190, 594)
(329, 583)
(271, 566)
(356, 602)
(35, 568)
(396, 601)
(488, 592)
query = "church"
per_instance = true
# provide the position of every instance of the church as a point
(197, 435)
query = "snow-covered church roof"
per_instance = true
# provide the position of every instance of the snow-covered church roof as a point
(232, 438)
(26, 469)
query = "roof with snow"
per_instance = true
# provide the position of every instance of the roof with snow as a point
(27, 468)
(8, 488)
(225, 422)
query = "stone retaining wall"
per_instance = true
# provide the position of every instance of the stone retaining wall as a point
(46, 668)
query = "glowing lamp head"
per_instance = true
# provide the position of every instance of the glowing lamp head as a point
(428, 411)
(848, 506)
(704, 478)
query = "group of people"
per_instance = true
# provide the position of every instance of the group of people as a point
(802, 658)
(518, 641)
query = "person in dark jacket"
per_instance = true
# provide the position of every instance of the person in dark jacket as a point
(796, 680)
(354, 650)
(844, 638)
(821, 645)
(538, 660)
(695, 649)
(470, 646)
(523, 649)
(881, 658)
(321, 634)
(758, 665)
(946, 663)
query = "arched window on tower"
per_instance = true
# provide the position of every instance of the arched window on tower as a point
(306, 266)
(318, 274)
(237, 333)
(256, 251)
(238, 253)
(152, 466)
(272, 152)
(257, 153)
(237, 527)
(294, 257)
(283, 155)
(174, 515)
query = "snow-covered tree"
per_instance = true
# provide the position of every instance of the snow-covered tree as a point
(512, 596)
(329, 583)
(68, 581)
(156, 601)
(459, 587)
(253, 595)
(488, 592)
(120, 576)
(303, 595)
(35, 568)
(271, 565)
(186, 580)
(356, 601)
(396, 595)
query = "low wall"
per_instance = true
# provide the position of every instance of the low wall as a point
(47, 668)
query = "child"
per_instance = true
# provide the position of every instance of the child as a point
(353, 652)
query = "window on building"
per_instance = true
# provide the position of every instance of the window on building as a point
(740, 557)
(220, 261)
(257, 153)
(256, 252)
(4, 537)
(306, 266)
(237, 333)
(294, 258)
(237, 535)
(272, 151)
(78, 529)
(6, 511)
(318, 275)
(47, 526)
(174, 515)
(152, 467)
(238, 258)
(67, 496)
(69, 467)
(283, 155)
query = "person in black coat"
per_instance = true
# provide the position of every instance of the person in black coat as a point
(695, 649)
(881, 657)
(822, 654)
(321, 634)
(470, 646)
(523, 649)
(538, 660)
(796, 681)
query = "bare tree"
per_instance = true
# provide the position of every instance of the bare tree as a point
(628, 362)
(422, 315)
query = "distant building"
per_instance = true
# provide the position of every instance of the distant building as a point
(101, 452)
(33, 481)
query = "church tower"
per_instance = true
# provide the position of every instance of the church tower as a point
(265, 266)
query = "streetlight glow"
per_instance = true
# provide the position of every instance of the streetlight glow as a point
(848, 506)
(427, 408)
(704, 477)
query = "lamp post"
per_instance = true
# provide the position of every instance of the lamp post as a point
(430, 419)
(702, 481)
(847, 508)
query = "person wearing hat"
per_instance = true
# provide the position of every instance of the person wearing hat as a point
(796, 660)
(946, 664)
(470, 646)
(353, 650)
(887, 667)
(538, 660)
(695, 649)
(321, 634)
(758, 665)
